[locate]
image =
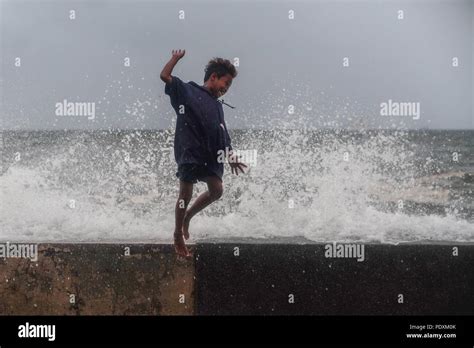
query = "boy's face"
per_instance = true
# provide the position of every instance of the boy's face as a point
(219, 86)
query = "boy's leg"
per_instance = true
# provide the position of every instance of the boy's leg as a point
(185, 194)
(214, 186)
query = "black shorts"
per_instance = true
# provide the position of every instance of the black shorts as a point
(192, 172)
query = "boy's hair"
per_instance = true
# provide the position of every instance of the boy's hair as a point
(221, 67)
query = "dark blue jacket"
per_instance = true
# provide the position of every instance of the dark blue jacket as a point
(200, 129)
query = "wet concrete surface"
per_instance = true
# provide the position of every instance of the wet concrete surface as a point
(98, 279)
(289, 279)
(239, 279)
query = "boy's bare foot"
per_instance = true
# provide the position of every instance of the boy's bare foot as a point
(186, 221)
(180, 246)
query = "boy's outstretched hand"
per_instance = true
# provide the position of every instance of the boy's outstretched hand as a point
(168, 69)
(236, 165)
(178, 54)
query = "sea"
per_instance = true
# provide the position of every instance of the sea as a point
(301, 186)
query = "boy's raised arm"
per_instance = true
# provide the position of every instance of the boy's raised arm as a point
(168, 69)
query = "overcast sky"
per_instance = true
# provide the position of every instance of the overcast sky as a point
(282, 61)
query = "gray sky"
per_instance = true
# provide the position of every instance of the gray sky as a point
(282, 61)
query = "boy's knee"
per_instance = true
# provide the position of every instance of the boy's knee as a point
(216, 193)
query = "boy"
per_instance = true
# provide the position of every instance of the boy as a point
(201, 138)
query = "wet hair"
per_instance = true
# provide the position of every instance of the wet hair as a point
(221, 67)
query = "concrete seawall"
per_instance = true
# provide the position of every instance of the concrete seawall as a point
(233, 278)
(97, 279)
